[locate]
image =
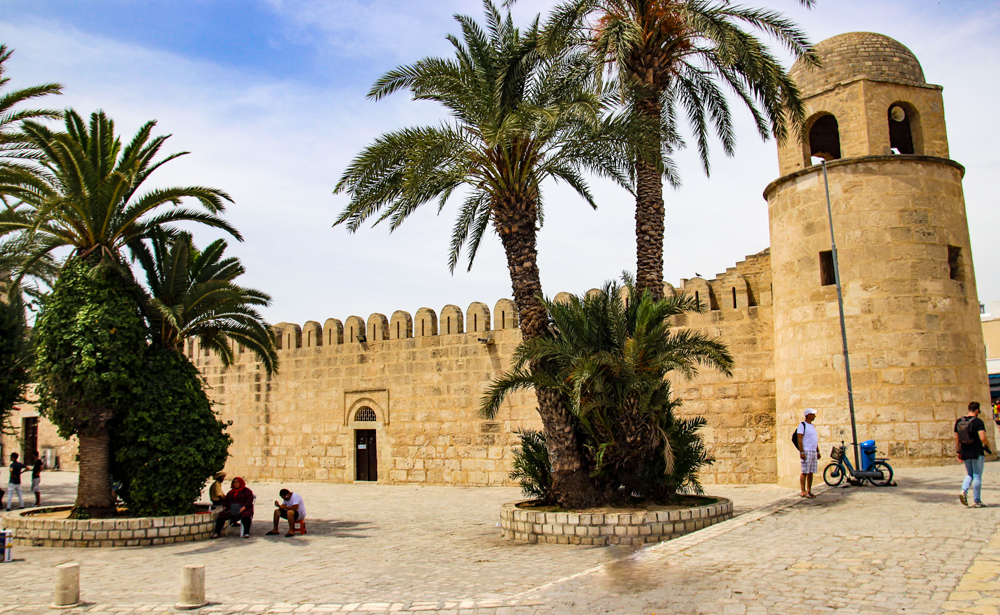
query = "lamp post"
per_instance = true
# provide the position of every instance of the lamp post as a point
(843, 326)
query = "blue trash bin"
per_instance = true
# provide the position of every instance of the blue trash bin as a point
(867, 455)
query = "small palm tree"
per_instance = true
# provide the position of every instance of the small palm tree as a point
(675, 57)
(609, 360)
(13, 145)
(82, 189)
(520, 115)
(192, 293)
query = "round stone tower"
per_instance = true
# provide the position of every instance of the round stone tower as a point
(916, 349)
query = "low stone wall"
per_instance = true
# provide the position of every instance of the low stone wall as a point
(31, 531)
(526, 525)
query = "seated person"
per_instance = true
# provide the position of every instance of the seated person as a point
(292, 508)
(238, 504)
(215, 492)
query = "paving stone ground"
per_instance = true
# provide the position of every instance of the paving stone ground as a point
(404, 549)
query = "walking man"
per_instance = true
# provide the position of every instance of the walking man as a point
(14, 481)
(971, 446)
(808, 453)
(36, 479)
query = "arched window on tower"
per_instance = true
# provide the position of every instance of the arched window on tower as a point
(902, 120)
(824, 138)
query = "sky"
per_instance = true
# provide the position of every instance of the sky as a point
(269, 98)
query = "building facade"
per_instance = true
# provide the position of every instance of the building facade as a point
(395, 399)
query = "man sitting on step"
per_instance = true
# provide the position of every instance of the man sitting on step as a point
(292, 508)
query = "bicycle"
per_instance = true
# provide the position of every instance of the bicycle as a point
(880, 475)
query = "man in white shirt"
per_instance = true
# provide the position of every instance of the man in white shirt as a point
(292, 508)
(808, 453)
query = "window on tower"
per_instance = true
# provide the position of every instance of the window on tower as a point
(824, 138)
(827, 275)
(900, 135)
(955, 262)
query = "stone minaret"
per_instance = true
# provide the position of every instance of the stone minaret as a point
(912, 312)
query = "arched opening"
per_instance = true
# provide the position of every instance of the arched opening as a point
(365, 446)
(365, 414)
(904, 129)
(824, 138)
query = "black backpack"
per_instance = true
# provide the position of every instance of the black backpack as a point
(795, 436)
(962, 428)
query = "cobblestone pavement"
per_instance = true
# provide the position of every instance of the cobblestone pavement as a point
(388, 549)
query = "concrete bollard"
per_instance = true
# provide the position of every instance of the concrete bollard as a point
(67, 593)
(192, 587)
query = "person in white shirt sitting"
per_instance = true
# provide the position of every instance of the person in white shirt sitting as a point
(292, 508)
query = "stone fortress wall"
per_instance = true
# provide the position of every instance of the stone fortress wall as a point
(417, 381)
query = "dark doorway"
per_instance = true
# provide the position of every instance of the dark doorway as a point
(365, 455)
(29, 432)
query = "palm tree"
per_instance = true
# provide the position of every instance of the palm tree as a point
(519, 115)
(610, 359)
(12, 142)
(669, 58)
(192, 293)
(82, 190)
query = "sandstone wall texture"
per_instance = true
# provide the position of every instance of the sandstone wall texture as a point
(422, 392)
(740, 410)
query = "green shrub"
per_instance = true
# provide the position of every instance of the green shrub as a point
(15, 355)
(169, 442)
(531, 466)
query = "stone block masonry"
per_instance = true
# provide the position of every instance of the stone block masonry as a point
(609, 528)
(36, 531)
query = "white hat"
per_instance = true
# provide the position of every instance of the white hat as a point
(809, 411)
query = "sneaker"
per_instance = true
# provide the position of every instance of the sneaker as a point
(979, 505)
(963, 498)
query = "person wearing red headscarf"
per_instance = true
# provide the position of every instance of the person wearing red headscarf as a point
(238, 504)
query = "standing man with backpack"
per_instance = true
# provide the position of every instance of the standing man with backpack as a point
(971, 446)
(807, 441)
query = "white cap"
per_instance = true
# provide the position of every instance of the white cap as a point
(809, 411)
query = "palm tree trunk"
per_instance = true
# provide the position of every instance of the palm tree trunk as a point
(570, 483)
(649, 214)
(93, 492)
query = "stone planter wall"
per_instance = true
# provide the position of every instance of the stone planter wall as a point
(31, 531)
(526, 525)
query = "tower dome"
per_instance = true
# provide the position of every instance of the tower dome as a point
(855, 55)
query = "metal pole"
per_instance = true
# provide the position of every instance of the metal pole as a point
(843, 326)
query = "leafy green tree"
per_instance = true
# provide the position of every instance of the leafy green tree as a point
(90, 340)
(192, 293)
(168, 442)
(83, 189)
(15, 354)
(609, 360)
(677, 57)
(520, 115)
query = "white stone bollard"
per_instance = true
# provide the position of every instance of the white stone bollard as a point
(192, 587)
(67, 593)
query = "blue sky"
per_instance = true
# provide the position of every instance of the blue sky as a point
(269, 96)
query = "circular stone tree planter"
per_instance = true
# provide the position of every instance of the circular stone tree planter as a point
(610, 528)
(33, 529)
